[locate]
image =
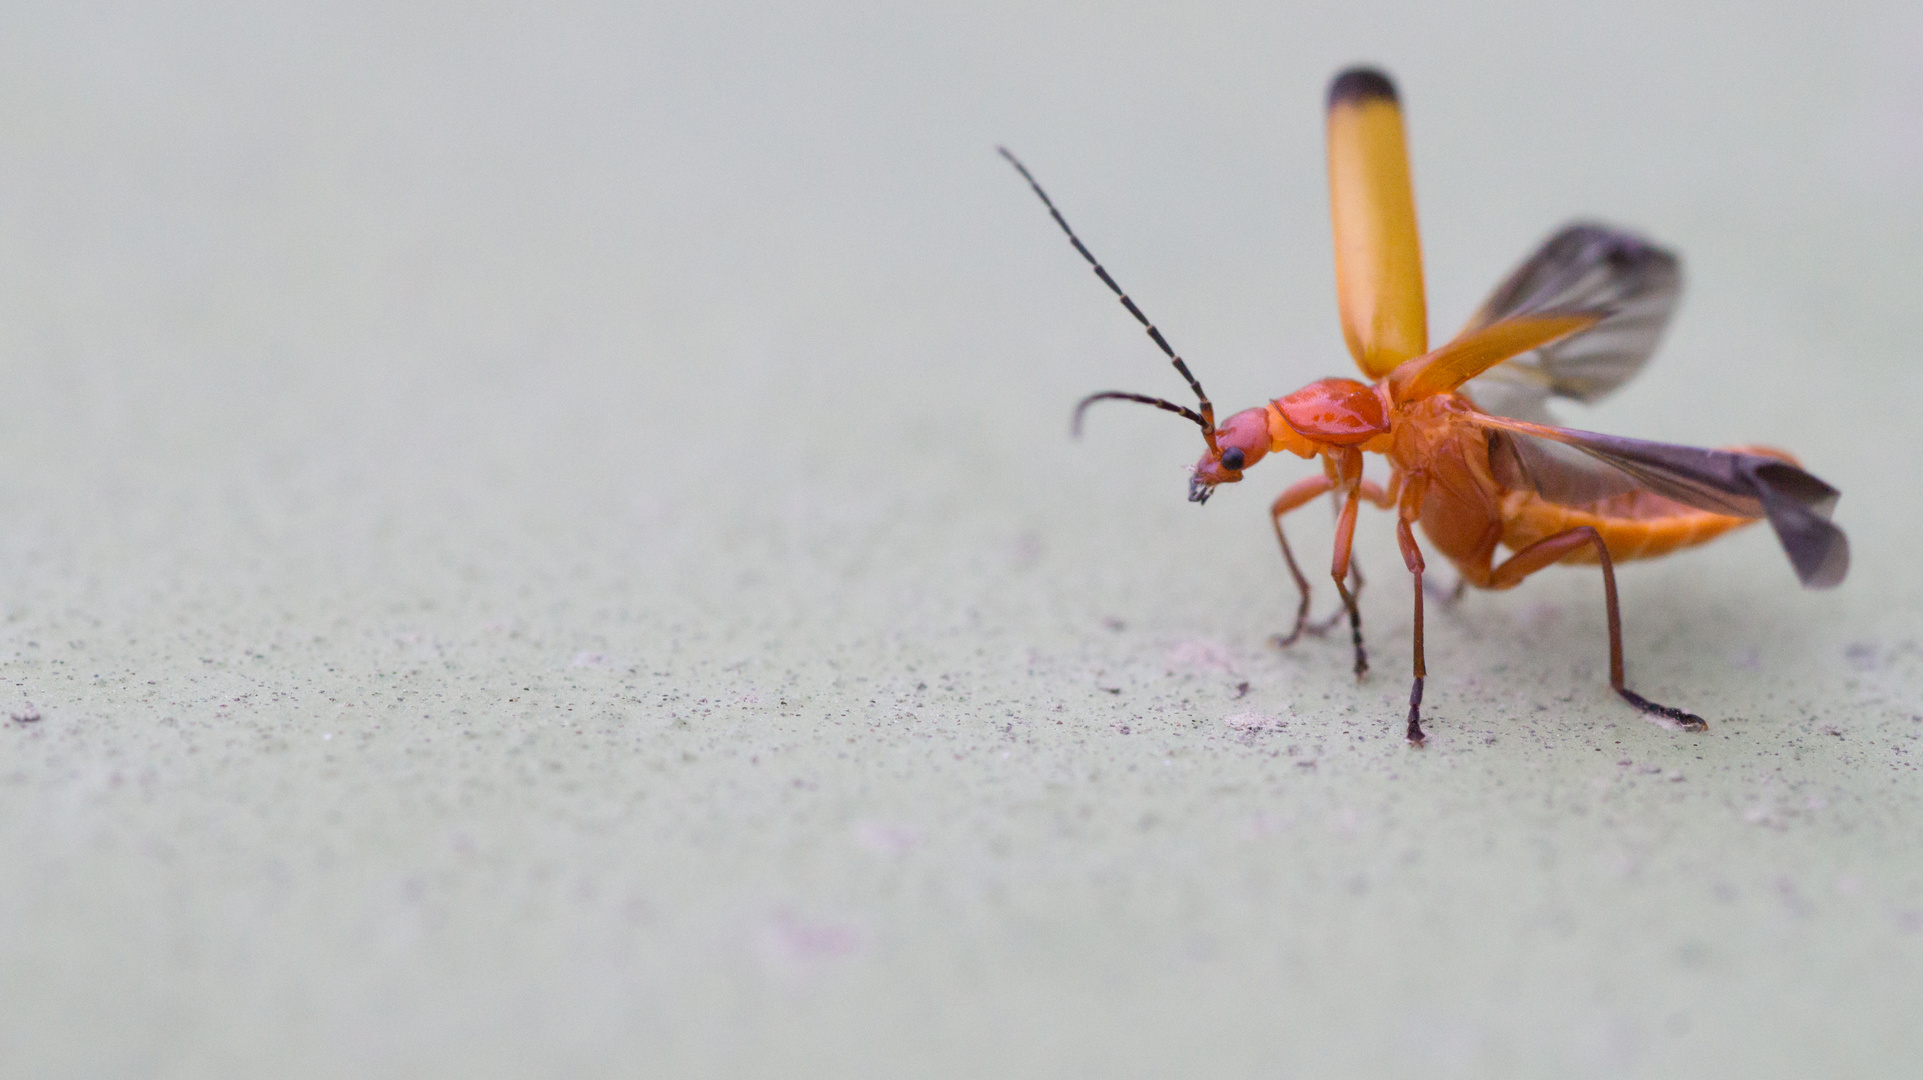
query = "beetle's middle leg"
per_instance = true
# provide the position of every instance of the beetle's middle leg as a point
(1412, 558)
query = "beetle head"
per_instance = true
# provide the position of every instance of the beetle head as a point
(1239, 443)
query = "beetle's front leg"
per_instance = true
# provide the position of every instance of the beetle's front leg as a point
(1298, 495)
(1375, 495)
(1344, 542)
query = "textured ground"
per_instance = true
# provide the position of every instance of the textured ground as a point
(544, 542)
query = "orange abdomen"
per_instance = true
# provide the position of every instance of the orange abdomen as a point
(1640, 525)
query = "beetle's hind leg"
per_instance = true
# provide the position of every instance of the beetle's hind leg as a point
(1550, 549)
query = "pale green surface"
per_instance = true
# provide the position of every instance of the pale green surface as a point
(546, 545)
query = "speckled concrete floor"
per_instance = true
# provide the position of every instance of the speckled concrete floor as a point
(543, 542)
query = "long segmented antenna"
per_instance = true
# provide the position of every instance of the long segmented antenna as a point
(1123, 395)
(1206, 419)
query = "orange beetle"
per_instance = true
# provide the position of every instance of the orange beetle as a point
(1473, 454)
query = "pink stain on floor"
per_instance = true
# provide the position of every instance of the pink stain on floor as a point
(1201, 654)
(884, 838)
(790, 940)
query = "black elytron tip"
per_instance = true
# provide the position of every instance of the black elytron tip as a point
(1361, 84)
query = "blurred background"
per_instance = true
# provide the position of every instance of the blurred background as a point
(450, 455)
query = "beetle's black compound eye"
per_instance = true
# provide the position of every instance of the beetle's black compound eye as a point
(1232, 459)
